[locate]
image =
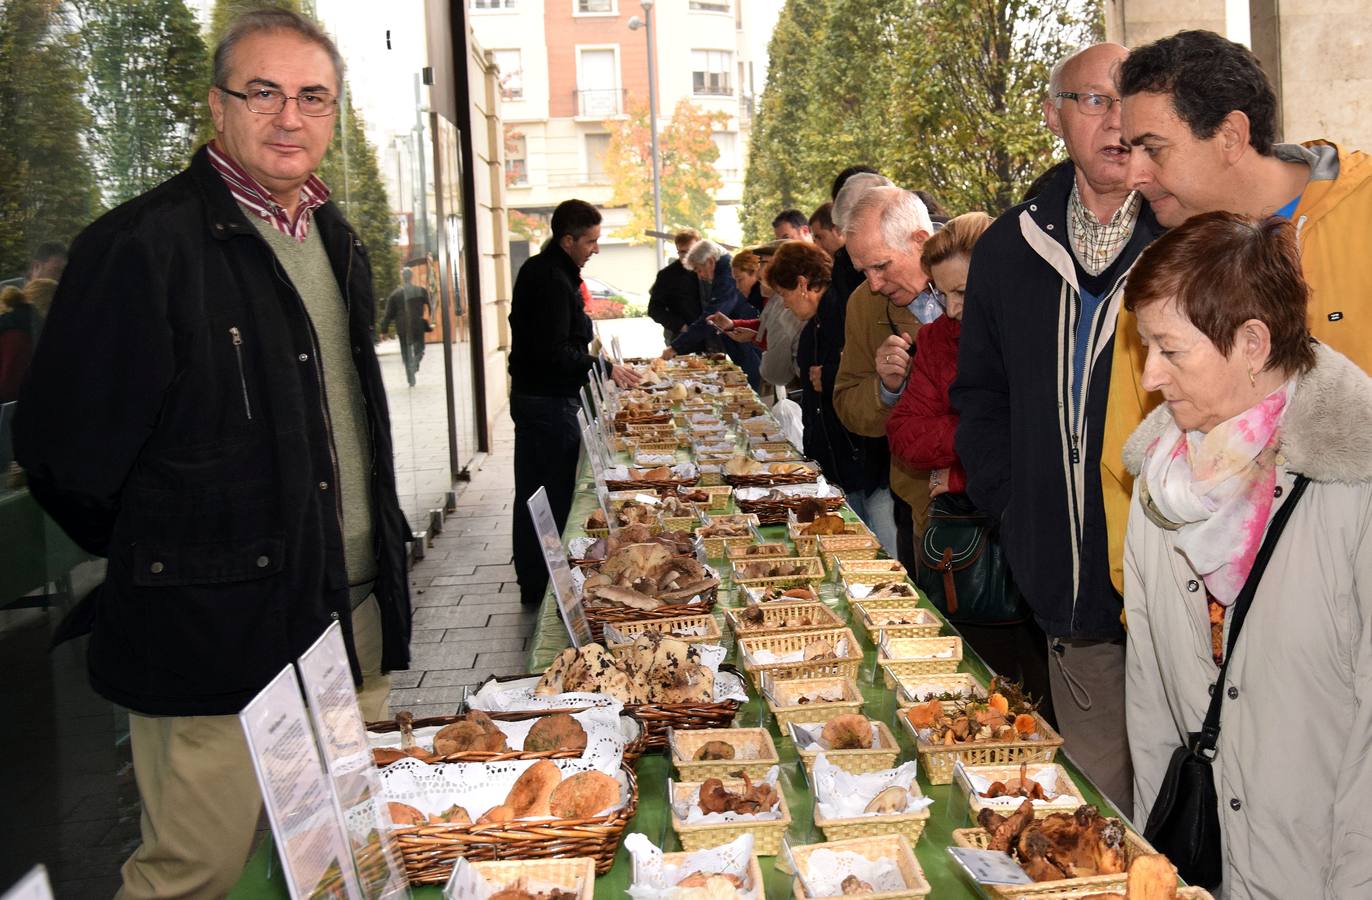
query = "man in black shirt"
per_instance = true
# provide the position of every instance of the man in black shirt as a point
(549, 363)
(676, 297)
(409, 309)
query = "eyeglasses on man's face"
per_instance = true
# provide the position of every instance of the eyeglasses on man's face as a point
(269, 101)
(1089, 104)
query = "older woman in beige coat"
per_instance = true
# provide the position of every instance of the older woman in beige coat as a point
(1249, 403)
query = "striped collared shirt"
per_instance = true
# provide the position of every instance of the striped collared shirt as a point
(1095, 244)
(252, 196)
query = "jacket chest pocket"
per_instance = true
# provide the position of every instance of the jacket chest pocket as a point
(171, 564)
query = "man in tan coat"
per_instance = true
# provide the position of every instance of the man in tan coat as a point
(885, 233)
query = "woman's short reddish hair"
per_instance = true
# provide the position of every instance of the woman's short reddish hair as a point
(1224, 269)
(796, 258)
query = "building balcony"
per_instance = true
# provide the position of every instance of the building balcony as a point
(601, 103)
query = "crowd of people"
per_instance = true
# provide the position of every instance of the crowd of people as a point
(1104, 397)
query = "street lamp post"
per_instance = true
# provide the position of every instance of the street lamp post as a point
(634, 24)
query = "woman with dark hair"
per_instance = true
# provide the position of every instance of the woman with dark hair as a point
(1255, 417)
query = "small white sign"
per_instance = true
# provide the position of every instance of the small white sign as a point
(332, 700)
(569, 602)
(33, 886)
(989, 866)
(300, 801)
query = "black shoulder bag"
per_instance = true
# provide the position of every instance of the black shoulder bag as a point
(1185, 821)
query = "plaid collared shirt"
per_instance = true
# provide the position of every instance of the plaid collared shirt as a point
(1097, 245)
(250, 193)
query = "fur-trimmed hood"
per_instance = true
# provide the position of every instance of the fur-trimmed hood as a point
(1327, 431)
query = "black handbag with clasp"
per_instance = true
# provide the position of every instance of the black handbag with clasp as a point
(961, 567)
(1184, 823)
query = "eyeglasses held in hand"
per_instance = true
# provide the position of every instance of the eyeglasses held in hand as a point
(1090, 104)
(269, 102)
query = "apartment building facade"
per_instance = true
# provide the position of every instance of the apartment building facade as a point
(569, 68)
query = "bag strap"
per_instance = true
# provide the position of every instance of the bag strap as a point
(1209, 735)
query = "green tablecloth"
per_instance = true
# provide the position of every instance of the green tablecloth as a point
(949, 811)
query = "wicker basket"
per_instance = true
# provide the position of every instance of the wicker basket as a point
(808, 544)
(653, 446)
(871, 571)
(626, 423)
(885, 597)
(939, 760)
(875, 759)
(636, 737)
(781, 697)
(755, 753)
(1068, 796)
(910, 824)
(698, 629)
(715, 546)
(1134, 846)
(836, 547)
(773, 478)
(632, 484)
(794, 642)
(720, 496)
(576, 876)
(889, 846)
(767, 833)
(905, 657)
(1183, 893)
(599, 617)
(680, 523)
(429, 851)
(951, 683)
(916, 622)
(758, 551)
(774, 512)
(777, 615)
(812, 574)
(658, 718)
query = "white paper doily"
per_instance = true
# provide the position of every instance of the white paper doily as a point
(825, 870)
(840, 794)
(654, 879)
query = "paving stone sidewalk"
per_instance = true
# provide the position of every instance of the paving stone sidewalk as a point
(468, 622)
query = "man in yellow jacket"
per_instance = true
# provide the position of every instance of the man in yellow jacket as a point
(1200, 116)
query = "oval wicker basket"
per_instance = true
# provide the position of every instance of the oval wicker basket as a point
(697, 629)
(599, 617)
(633, 746)
(429, 851)
(773, 512)
(771, 478)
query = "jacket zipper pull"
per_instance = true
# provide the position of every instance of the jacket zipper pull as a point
(237, 338)
(1076, 451)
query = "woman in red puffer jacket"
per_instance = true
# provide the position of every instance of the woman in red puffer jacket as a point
(921, 429)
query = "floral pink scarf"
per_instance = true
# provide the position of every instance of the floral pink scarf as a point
(1218, 488)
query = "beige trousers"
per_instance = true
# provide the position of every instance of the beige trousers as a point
(201, 802)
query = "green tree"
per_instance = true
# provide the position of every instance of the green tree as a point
(978, 74)
(351, 171)
(147, 77)
(778, 175)
(689, 177)
(349, 168)
(942, 95)
(47, 191)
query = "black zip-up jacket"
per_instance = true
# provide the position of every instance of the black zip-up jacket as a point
(549, 328)
(1031, 459)
(675, 299)
(175, 422)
